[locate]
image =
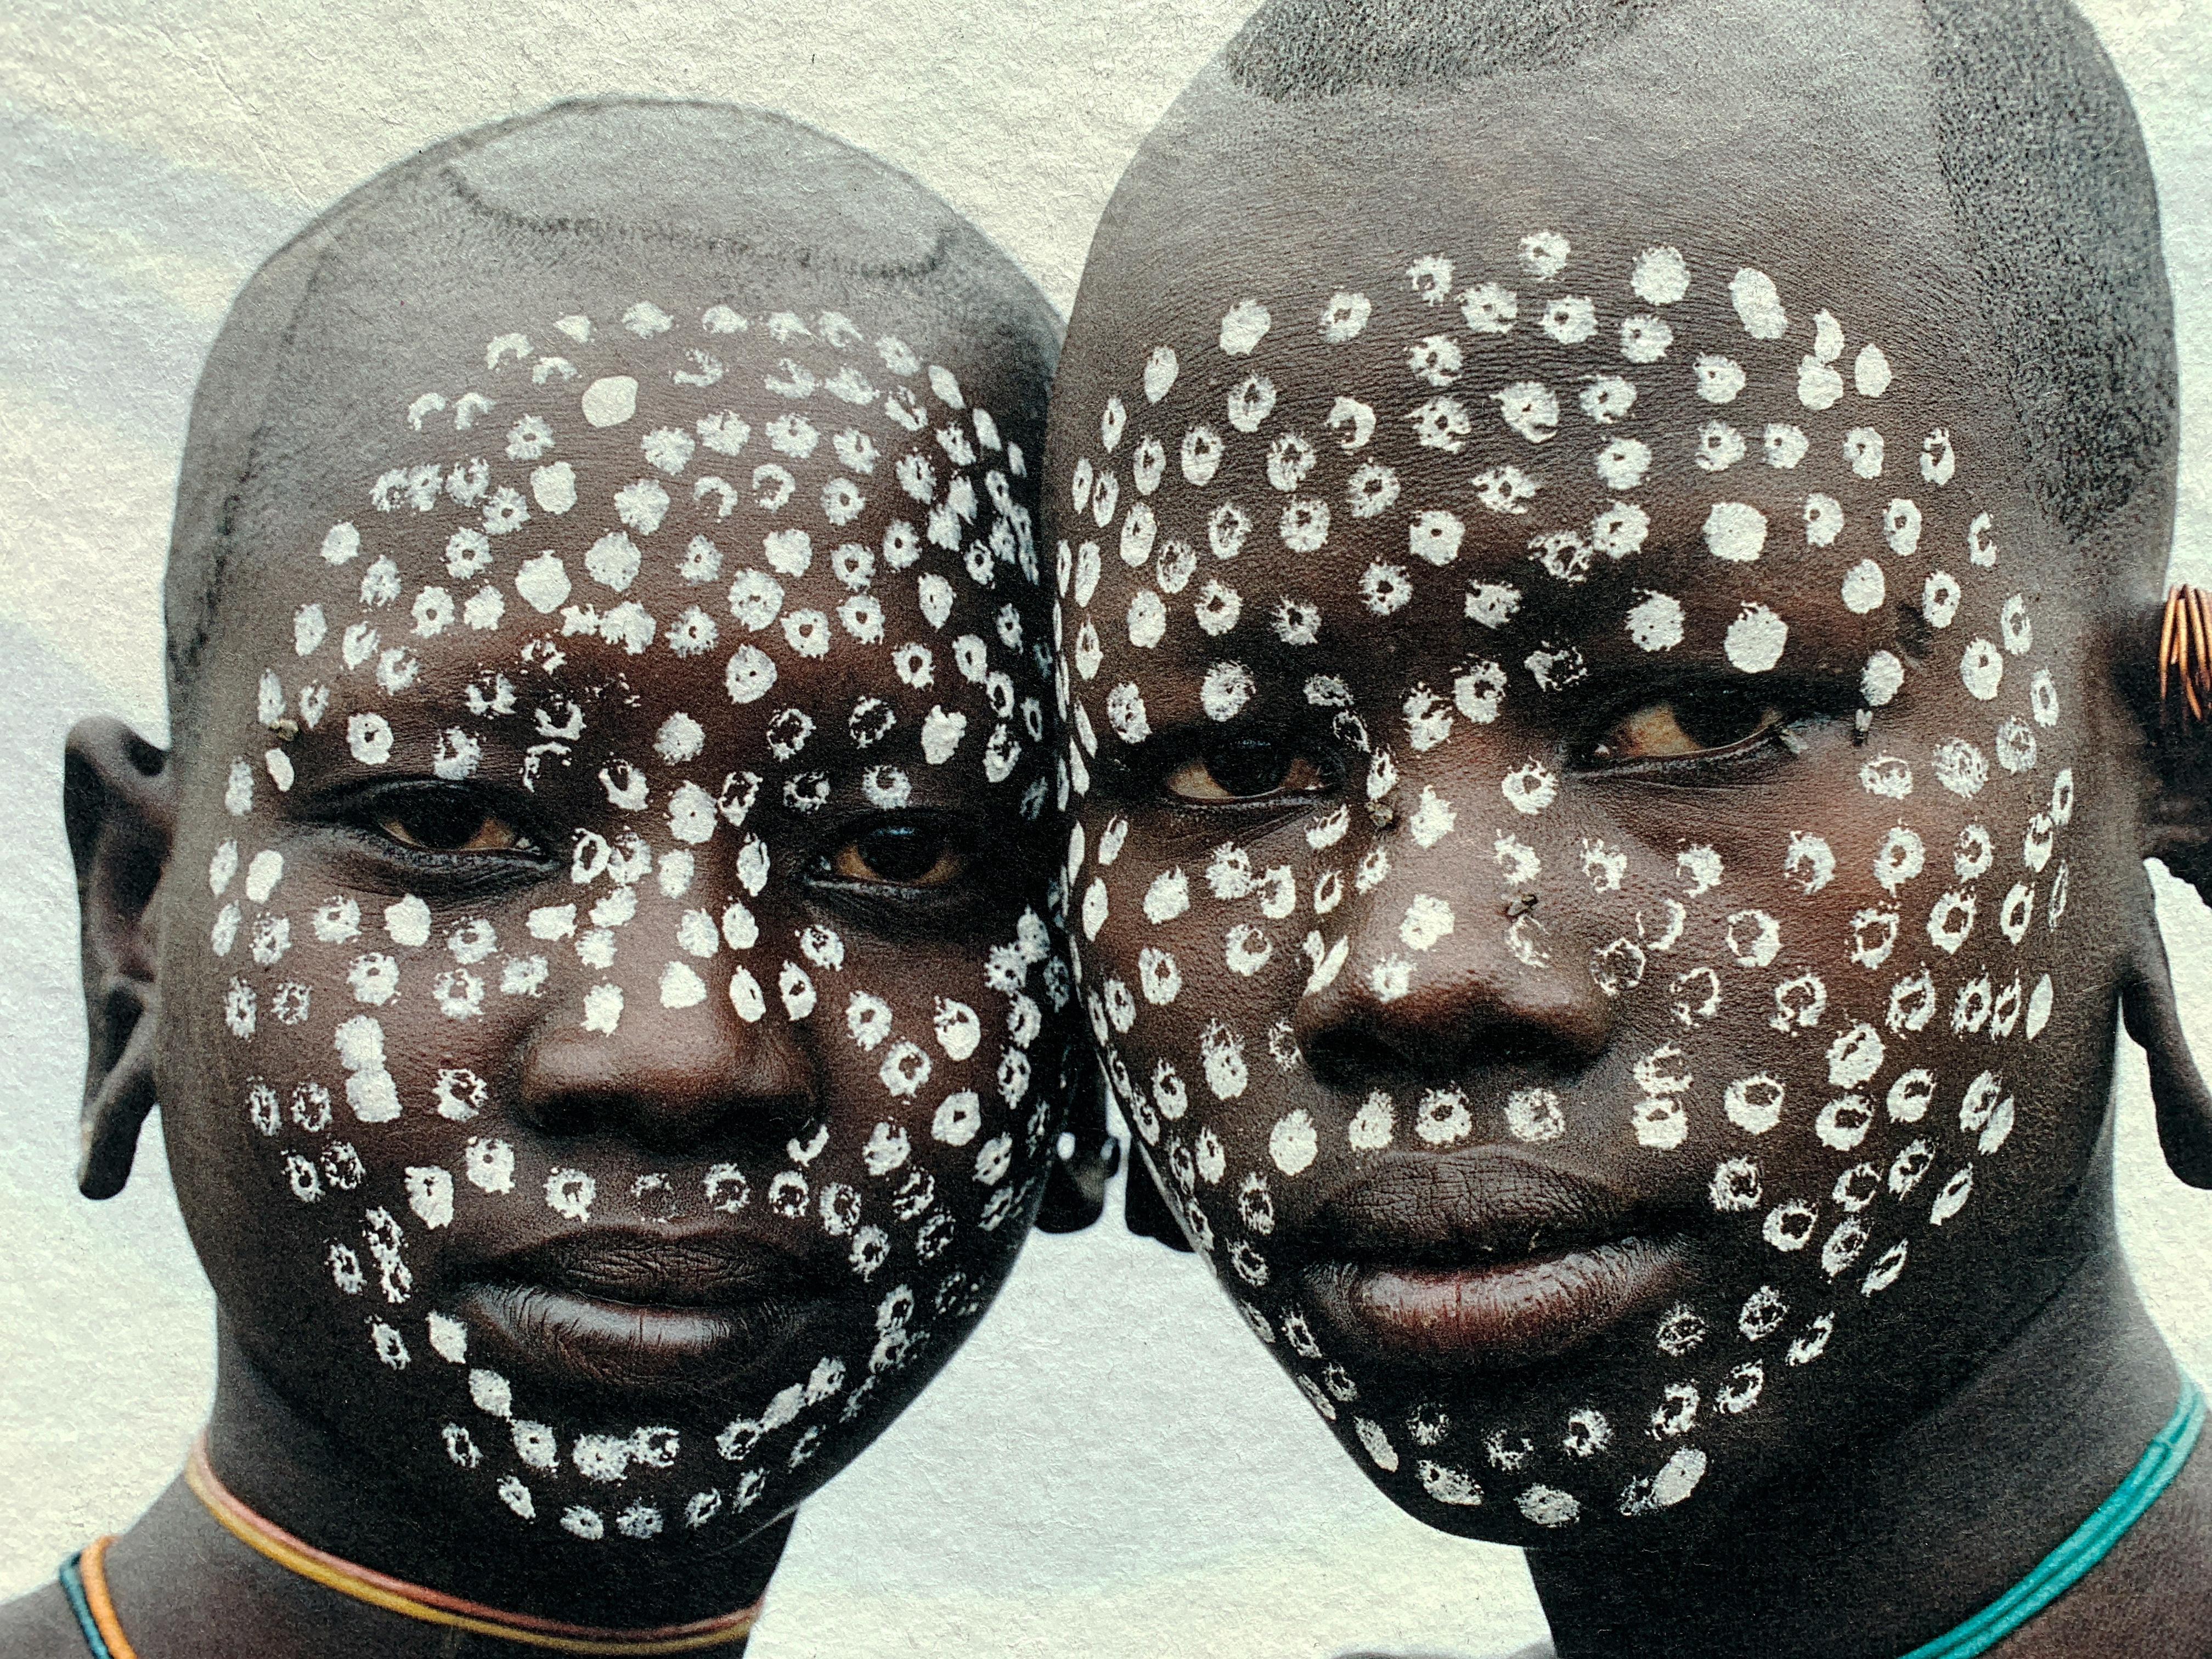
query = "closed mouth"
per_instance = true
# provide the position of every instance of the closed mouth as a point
(654, 1269)
(1483, 1260)
(646, 1311)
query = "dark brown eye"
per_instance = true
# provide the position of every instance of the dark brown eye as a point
(1695, 723)
(1250, 770)
(448, 822)
(900, 855)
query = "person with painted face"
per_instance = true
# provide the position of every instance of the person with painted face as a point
(1609, 559)
(610, 1038)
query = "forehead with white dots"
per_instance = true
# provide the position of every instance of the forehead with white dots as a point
(1485, 411)
(736, 498)
(1473, 452)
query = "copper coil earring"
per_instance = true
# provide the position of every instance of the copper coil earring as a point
(2185, 649)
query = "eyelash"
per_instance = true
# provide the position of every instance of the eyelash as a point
(1749, 758)
(1152, 777)
(358, 817)
(962, 908)
(879, 904)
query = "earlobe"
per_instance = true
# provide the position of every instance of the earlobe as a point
(116, 1107)
(1075, 1191)
(2184, 1104)
(1144, 1209)
(119, 800)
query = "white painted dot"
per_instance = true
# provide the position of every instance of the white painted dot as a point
(369, 737)
(1900, 527)
(1982, 668)
(1735, 531)
(543, 582)
(681, 987)
(1544, 254)
(611, 401)
(1863, 588)
(1428, 918)
(1623, 463)
(1758, 304)
(1823, 520)
(1655, 622)
(1719, 379)
(1160, 370)
(1871, 372)
(1756, 638)
(1243, 327)
(1881, 679)
(1645, 340)
(1939, 598)
(1662, 276)
(1818, 385)
(1292, 1143)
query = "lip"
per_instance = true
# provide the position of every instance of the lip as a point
(646, 1311)
(1484, 1260)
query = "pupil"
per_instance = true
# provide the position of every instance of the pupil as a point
(441, 823)
(1719, 718)
(902, 851)
(1254, 767)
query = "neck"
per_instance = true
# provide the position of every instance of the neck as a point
(185, 1585)
(1839, 1559)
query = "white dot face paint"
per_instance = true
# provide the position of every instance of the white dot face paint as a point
(1736, 532)
(659, 726)
(1756, 639)
(1626, 542)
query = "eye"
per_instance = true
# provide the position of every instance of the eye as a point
(900, 855)
(1697, 723)
(447, 820)
(1251, 770)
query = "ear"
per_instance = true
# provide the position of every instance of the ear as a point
(118, 797)
(2172, 694)
(1144, 1209)
(1075, 1191)
(2177, 1088)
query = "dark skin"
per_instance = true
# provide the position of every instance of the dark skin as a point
(662, 1297)
(1971, 1401)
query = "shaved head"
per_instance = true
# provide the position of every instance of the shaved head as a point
(2012, 114)
(566, 208)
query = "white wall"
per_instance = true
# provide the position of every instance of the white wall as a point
(1111, 1466)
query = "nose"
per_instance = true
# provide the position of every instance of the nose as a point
(670, 1078)
(1500, 989)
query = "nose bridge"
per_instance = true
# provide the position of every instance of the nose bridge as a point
(666, 1025)
(1467, 949)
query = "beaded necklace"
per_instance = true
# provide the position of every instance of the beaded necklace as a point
(84, 1582)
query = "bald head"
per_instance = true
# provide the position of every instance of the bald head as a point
(570, 212)
(2000, 131)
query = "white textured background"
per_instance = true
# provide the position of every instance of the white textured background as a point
(1112, 1467)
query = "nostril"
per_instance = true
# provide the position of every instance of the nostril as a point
(1353, 1059)
(1531, 1047)
(567, 1116)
